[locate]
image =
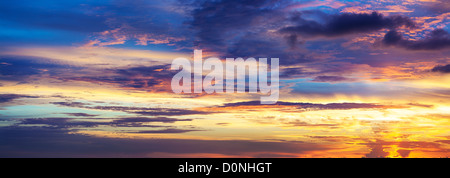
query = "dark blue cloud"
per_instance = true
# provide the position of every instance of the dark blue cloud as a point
(58, 122)
(145, 111)
(65, 122)
(9, 97)
(330, 79)
(141, 77)
(158, 71)
(438, 39)
(234, 28)
(70, 104)
(21, 68)
(148, 119)
(256, 46)
(166, 131)
(343, 24)
(248, 29)
(443, 69)
(217, 22)
(80, 114)
(119, 80)
(47, 142)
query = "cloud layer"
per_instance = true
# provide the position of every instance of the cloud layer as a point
(92, 79)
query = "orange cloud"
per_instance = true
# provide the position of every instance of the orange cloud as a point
(124, 33)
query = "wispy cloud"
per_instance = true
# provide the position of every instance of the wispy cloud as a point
(146, 111)
(9, 97)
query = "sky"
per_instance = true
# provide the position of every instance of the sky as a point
(84, 78)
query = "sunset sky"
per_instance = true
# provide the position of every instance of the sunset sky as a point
(85, 78)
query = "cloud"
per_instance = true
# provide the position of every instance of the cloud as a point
(331, 79)
(80, 114)
(148, 78)
(76, 123)
(404, 153)
(169, 112)
(146, 111)
(166, 131)
(307, 106)
(438, 39)
(46, 142)
(298, 123)
(124, 33)
(438, 6)
(103, 23)
(70, 104)
(93, 58)
(22, 68)
(59, 123)
(421, 105)
(377, 150)
(229, 27)
(293, 73)
(216, 21)
(124, 82)
(309, 4)
(442, 69)
(261, 47)
(344, 24)
(4, 98)
(157, 71)
(147, 119)
(223, 123)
